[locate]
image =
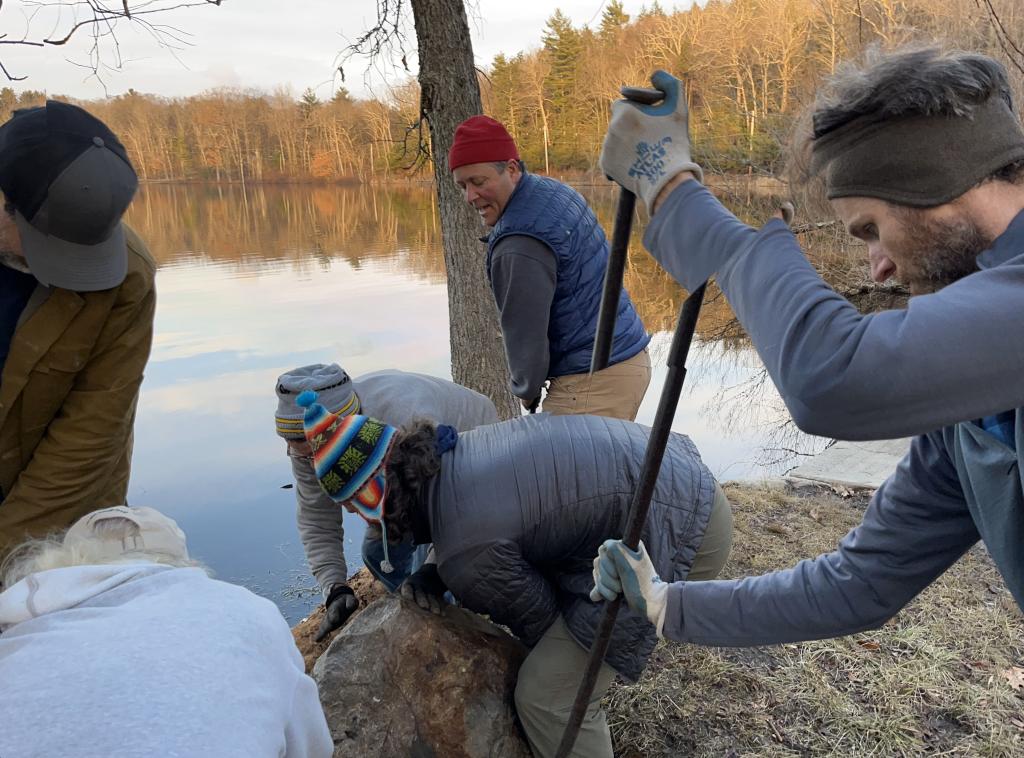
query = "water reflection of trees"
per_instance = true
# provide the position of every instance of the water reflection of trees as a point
(275, 225)
(396, 228)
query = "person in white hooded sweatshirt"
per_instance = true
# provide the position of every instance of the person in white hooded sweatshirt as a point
(113, 643)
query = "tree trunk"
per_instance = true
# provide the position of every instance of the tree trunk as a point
(449, 95)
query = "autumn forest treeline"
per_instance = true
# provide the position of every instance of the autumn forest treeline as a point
(750, 67)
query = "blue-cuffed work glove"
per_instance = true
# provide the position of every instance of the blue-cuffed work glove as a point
(647, 145)
(619, 570)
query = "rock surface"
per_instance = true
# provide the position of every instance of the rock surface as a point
(398, 681)
(367, 589)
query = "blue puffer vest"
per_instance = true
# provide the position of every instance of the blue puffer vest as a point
(558, 216)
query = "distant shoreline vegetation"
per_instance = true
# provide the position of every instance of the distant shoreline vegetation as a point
(757, 184)
(750, 68)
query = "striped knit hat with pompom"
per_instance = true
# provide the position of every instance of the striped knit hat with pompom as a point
(350, 457)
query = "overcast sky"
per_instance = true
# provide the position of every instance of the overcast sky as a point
(265, 44)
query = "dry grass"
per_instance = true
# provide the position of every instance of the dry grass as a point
(932, 681)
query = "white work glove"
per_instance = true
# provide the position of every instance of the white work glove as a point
(619, 570)
(648, 145)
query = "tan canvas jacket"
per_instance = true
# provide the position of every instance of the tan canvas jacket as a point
(67, 400)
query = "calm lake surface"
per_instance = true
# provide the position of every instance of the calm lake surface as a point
(253, 282)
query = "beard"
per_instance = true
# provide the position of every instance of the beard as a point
(939, 252)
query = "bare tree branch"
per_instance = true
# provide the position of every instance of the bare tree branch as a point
(1010, 47)
(385, 41)
(100, 18)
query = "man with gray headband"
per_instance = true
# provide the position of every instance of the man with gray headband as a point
(396, 398)
(923, 159)
(76, 319)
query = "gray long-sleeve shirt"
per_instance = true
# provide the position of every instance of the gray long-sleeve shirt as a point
(523, 276)
(950, 357)
(395, 397)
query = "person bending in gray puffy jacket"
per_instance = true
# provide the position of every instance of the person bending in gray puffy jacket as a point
(922, 156)
(392, 396)
(515, 512)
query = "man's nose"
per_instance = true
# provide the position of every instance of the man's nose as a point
(882, 268)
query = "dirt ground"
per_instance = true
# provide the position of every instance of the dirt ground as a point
(945, 677)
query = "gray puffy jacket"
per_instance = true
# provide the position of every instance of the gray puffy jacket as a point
(519, 509)
(396, 398)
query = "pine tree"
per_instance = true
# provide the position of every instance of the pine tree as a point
(613, 20)
(563, 45)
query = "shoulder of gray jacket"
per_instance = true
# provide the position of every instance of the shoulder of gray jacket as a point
(396, 397)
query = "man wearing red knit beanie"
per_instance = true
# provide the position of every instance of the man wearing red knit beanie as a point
(546, 259)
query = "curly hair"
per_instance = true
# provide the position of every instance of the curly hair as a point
(412, 463)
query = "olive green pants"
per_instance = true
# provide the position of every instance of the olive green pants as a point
(616, 391)
(551, 673)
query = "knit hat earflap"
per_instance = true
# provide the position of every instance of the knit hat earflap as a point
(350, 457)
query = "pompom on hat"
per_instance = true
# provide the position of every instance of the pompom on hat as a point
(481, 139)
(350, 458)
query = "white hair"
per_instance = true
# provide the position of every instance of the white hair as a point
(51, 552)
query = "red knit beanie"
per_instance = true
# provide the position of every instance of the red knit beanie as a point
(481, 139)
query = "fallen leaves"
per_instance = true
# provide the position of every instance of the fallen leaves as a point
(1015, 676)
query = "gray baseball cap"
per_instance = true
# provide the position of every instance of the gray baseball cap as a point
(68, 180)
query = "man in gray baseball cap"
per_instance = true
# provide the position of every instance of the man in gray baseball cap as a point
(76, 319)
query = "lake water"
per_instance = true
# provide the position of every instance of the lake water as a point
(253, 282)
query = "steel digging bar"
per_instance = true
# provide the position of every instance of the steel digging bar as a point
(659, 432)
(617, 255)
(639, 505)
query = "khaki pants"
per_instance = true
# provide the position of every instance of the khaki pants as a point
(551, 673)
(616, 391)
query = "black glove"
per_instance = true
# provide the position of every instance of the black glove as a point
(426, 588)
(341, 603)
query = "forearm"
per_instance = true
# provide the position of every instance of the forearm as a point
(60, 485)
(916, 526)
(321, 527)
(81, 463)
(807, 602)
(840, 373)
(523, 276)
(528, 367)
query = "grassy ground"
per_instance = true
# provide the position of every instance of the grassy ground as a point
(943, 678)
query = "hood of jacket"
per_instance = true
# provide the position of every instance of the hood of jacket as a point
(62, 588)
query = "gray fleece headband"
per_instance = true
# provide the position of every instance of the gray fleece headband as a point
(920, 161)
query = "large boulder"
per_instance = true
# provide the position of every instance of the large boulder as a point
(367, 590)
(399, 681)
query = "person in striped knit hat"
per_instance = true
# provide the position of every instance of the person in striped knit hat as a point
(514, 513)
(349, 453)
(394, 397)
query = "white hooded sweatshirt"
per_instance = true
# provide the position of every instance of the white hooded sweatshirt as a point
(140, 660)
